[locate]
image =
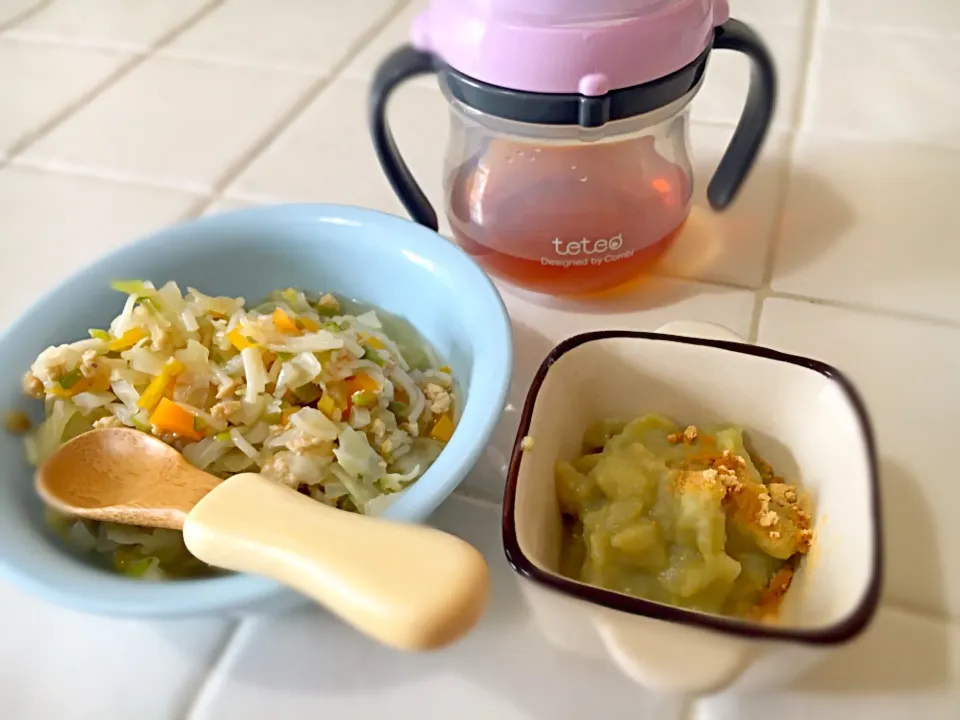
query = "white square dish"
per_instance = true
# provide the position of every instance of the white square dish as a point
(801, 415)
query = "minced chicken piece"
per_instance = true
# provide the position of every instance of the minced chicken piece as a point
(228, 388)
(303, 443)
(278, 468)
(32, 385)
(329, 302)
(88, 363)
(110, 421)
(440, 399)
(223, 410)
(50, 366)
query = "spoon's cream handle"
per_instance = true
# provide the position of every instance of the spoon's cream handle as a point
(408, 586)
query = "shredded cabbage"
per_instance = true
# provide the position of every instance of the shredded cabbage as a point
(310, 342)
(332, 398)
(314, 423)
(357, 458)
(243, 445)
(255, 373)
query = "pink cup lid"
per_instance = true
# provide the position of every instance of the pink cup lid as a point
(568, 46)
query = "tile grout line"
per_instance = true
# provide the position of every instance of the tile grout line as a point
(83, 173)
(198, 58)
(807, 60)
(753, 329)
(920, 613)
(203, 199)
(866, 309)
(222, 647)
(299, 107)
(241, 628)
(125, 69)
(19, 37)
(26, 14)
(910, 33)
(477, 498)
(230, 647)
(767, 293)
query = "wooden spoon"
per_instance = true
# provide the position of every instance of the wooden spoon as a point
(408, 586)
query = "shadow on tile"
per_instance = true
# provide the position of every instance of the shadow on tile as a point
(505, 657)
(712, 245)
(731, 245)
(488, 477)
(645, 293)
(505, 662)
(894, 656)
(815, 216)
(914, 560)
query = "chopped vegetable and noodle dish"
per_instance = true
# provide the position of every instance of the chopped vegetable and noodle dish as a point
(342, 402)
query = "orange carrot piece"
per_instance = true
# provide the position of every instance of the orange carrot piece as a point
(284, 323)
(442, 429)
(360, 382)
(172, 418)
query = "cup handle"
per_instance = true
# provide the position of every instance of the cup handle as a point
(401, 65)
(756, 116)
(697, 329)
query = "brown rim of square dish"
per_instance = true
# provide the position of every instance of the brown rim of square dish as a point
(840, 632)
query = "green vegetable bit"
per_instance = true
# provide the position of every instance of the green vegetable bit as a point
(135, 568)
(292, 297)
(99, 334)
(68, 380)
(130, 287)
(141, 426)
(371, 354)
(364, 399)
(149, 303)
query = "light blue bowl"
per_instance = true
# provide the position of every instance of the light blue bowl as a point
(381, 259)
